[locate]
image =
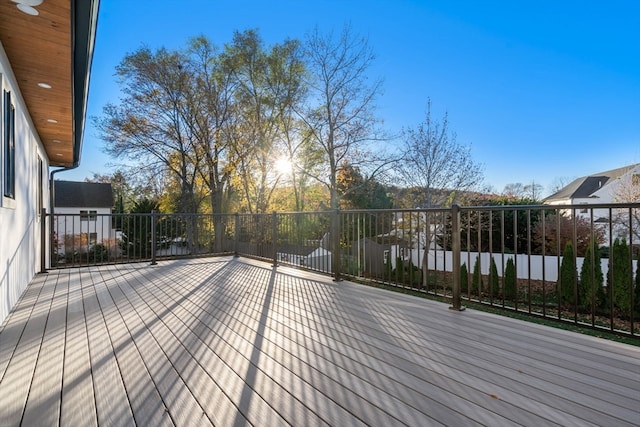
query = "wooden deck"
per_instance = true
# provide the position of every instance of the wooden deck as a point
(229, 342)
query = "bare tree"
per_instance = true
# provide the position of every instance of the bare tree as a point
(559, 183)
(149, 126)
(517, 190)
(627, 219)
(170, 124)
(434, 161)
(305, 158)
(268, 85)
(173, 121)
(209, 111)
(513, 190)
(533, 191)
(340, 117)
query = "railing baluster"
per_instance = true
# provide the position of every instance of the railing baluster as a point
(455, 246)
(274, 237)
(153, 237)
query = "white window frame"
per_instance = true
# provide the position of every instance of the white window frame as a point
(6, 201)
(88, 215)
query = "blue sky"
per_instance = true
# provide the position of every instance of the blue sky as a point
(539, 90)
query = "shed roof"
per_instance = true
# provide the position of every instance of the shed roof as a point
(72, 194)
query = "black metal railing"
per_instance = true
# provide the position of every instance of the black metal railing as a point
(576, 264)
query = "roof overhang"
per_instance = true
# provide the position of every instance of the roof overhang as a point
(54, 48)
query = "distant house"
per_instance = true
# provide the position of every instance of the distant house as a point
(313, 255)
(602, 187)
(413, 235)
(372, 254)
(620, 185)
(82, 210)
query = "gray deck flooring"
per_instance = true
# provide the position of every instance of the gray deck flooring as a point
(229, 342)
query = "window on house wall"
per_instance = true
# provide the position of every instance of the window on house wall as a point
(88, 215)
(93, 238)
(9, 147)
(39, 187)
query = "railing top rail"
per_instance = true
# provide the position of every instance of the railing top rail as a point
(409, 210)
(553, 207)
(590, 206)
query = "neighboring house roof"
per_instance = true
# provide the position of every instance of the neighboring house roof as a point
(586, 186)
(71, 194)
(52, 44)
(299, 250)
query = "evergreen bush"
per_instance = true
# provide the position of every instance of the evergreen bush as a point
(476, 285)
(406, 274)
(494, 280)
(636, 295)
(591, 290)
(568, 273)
(98, 253)
(464, 278)
(620, 274)
(510, 281)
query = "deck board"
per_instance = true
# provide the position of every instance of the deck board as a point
(112, 403)
(145, 401)
(158, 351)
(78, 406)
(204, 384)
(492, 369)
(247, 328)
(15, 323)
(237, 356)
(43, 406)
(25, 340)
(227, 341)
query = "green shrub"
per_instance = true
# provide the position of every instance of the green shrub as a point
(510, 282)
(494, 280)
(636, 294)
(591, 289)
(476, 284)
(620, 274)
(413, 274)
(464, 278)
(568, 273)
(407, 274)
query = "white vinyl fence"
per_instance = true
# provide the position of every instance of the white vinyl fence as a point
(534, 267)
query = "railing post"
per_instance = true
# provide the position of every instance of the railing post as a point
(335, 244)
(43, 240)
(274, 237)
(455, 248)
(153, 237)
(236, 234)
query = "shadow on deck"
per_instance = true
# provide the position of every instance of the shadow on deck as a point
(226, 341)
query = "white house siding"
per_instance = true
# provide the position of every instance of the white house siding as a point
(19, 219)
(68, 223)
(608, 193)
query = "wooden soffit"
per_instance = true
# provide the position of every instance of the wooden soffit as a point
(53, 48)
